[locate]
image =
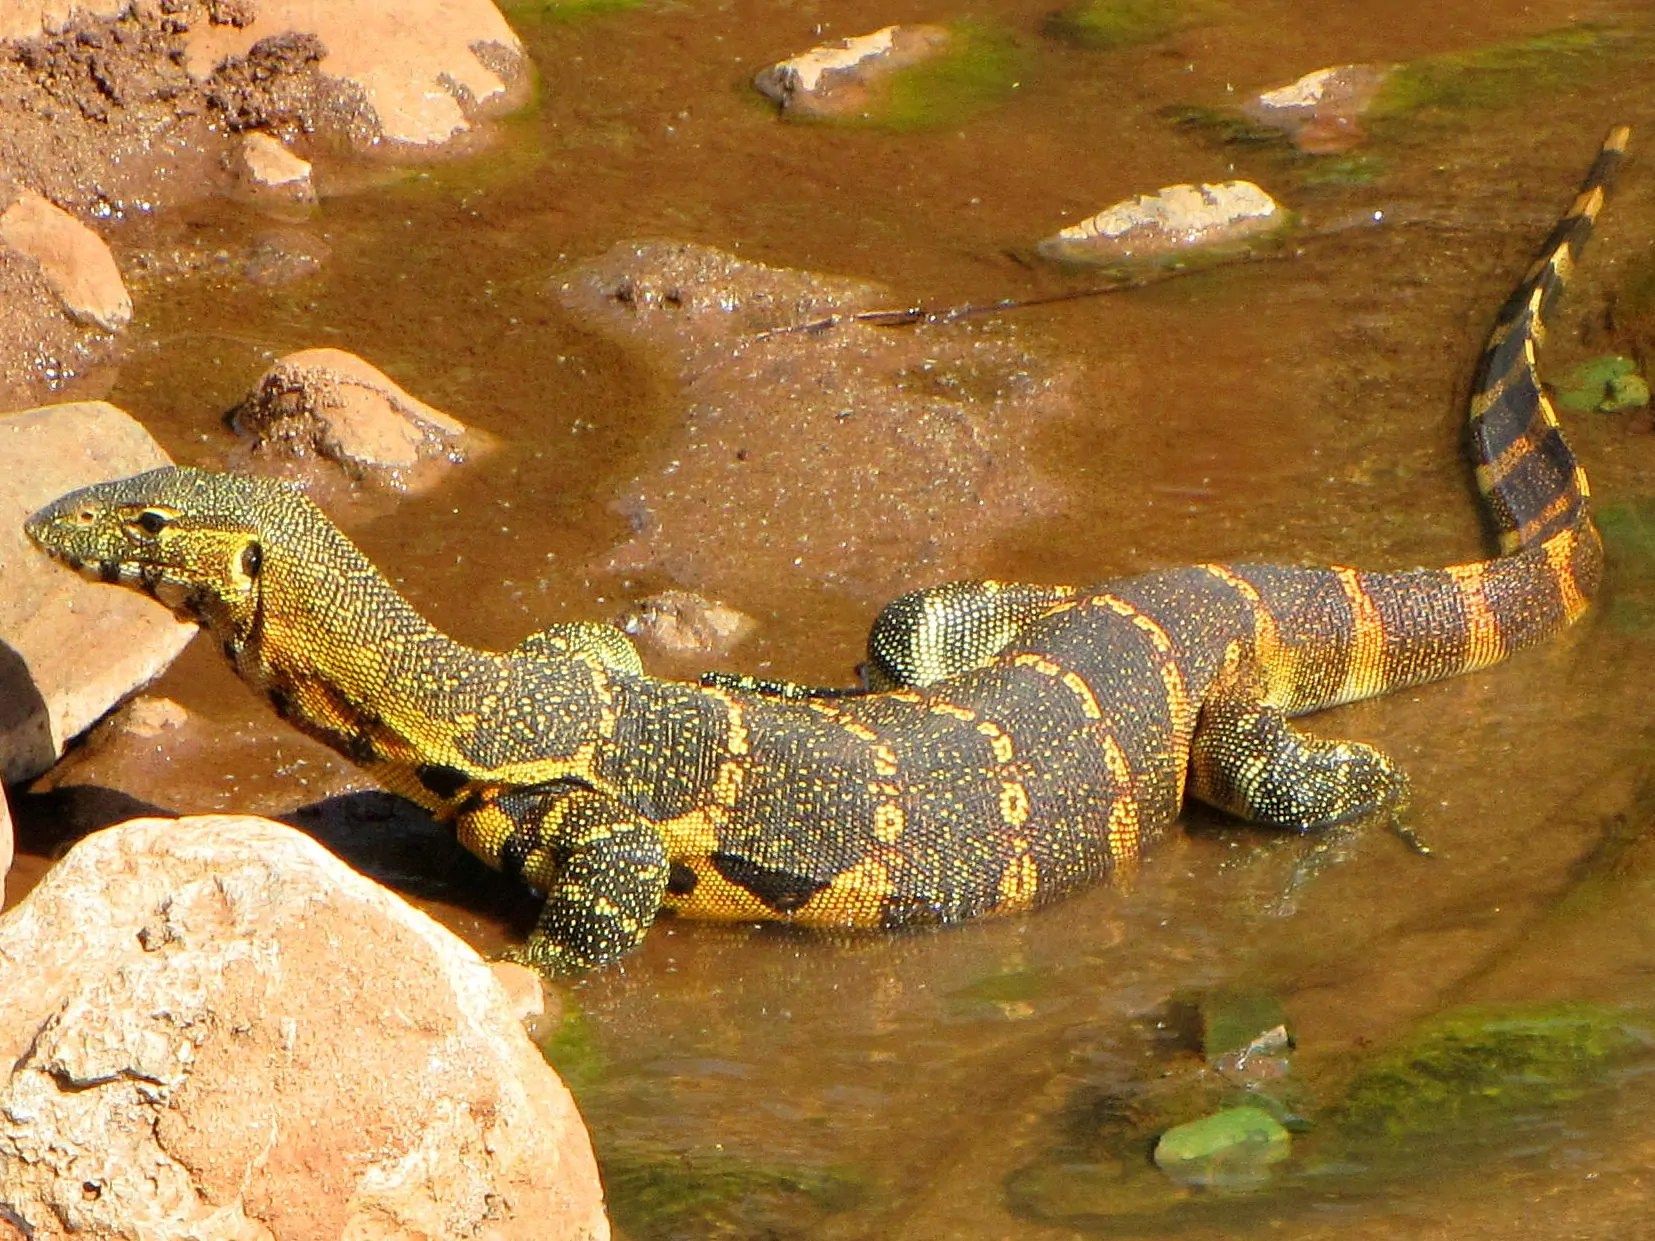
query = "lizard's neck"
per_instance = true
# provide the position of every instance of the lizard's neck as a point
(338, 651)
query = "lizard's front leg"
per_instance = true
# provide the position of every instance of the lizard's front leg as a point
(601, 865)
(1247, 759)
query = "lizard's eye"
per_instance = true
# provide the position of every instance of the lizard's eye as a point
(152, 521)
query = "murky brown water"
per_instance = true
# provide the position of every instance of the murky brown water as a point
(1306, 410)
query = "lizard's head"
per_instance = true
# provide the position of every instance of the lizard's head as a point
(188, 537)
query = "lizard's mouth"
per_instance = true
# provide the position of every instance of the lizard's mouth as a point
(149, 579)
(115, 572)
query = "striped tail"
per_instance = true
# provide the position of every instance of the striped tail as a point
(1347, 634)
(1532, 484)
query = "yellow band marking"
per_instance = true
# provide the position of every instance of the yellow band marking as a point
(854, 897)
(714, 898)
(1491, 473)
(1365, 672)
(1014, 803)
(1534, 525)
(999, 742)
(1045, 667)
(1114, 758)
(1125, 834)
(1266, 636)
(735, 736)
(1018, 883)
(1088, 700)
(859, 730)
(1482, 402)
(888, 821)
(940, 706)
(1560, 549)
(1485, 643)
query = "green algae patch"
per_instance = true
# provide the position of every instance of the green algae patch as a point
(978, 69)
(1232, 1020)
(1501, 75)
(1629, 544)
(571, 1047)
(1106, 25)
(1471, 1068)
(1350, 171)
(1225, 126)
(1232, 128)
(1609, 385)
(659, 1192)
(1074, 1192)
(1010, 991)
(1231, 1149)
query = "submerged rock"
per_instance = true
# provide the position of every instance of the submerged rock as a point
(1231, 1149)
(1106, 25)
(215, 1028)
(1321, 111)
(844, 78)
(925, 430)
(1467, 1067)
(1175, 220)
(333, 404)
(659, 1191)
(681, 622)
(69, 648)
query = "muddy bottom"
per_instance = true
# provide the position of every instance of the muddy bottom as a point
(999, 1079)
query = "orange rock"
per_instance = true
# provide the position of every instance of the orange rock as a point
(267, 165)
(213, 1027)
(333, 404)
(411, 73)
(72, 258)
(69, 649)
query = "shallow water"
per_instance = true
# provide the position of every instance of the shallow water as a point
(747, 1082)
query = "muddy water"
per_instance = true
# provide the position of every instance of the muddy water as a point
(761, 1083)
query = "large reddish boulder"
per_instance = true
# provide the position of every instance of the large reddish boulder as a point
(213, 1027)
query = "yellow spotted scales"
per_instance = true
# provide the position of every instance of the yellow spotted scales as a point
(1020, 741)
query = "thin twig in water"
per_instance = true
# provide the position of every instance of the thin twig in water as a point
(906, 316)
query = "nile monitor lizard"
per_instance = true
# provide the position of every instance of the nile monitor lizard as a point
(1035, 740)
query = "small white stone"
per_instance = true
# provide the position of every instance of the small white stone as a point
(804, 71)
(1176, 217)
(1307, 92)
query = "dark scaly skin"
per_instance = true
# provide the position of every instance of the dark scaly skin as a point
(1036, 738)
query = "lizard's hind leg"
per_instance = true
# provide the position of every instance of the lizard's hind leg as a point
(1247, 758)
